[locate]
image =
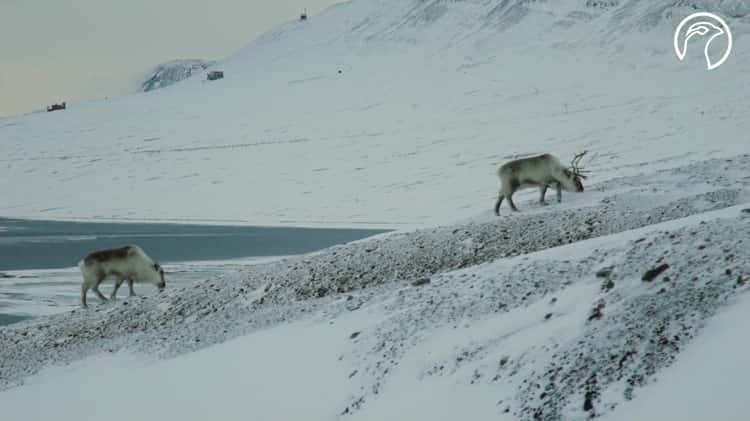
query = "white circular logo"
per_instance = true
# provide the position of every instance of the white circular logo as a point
(703, 25)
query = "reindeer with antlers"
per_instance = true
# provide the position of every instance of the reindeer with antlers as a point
(539, 171)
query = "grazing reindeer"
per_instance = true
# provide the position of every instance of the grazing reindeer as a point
(539, 171)
(127, 263)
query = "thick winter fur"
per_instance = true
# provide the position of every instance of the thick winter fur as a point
(127, 263)
(538, 171)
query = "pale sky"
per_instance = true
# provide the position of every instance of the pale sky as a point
(55, 50)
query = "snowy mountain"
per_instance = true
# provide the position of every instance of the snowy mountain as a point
(397, 114)
(431, 97)
(174, 71)
(419, 82)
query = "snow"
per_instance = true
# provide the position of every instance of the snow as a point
(174, 71)
(432, 98)
(461, 314)
(707, 382)
(177, 388)
(470, 343)
(417, 396)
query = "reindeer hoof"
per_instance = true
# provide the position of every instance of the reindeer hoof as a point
(544, 203)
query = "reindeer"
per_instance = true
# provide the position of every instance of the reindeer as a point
(126, 263)
(539, 171)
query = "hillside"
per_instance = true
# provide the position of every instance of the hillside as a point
(478, 320)
(622, 302)
(431, 98)
(174, 71)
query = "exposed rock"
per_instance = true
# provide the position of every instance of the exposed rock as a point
(174, 71)
(421, 281)
(651, 274)
(604, 272)
(596, 312)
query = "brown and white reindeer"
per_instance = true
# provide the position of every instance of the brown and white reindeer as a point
(127, 263)
(539, 171)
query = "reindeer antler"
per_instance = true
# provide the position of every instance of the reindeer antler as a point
(575, 165)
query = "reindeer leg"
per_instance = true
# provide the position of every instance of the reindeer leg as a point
(512, 205)
(559, 192)
(499, 202)
(542, 192)
(98, 293)
(130, 286)
(84, 290)
(514, 185)
(117, 286)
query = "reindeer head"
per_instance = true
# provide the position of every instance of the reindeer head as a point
(576, 173)
(160, 283)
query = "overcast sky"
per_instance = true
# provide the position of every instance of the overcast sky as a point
(54, 50)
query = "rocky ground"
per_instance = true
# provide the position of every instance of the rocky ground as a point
(597, 293)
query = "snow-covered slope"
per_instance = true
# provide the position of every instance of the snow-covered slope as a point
(353, 117)
(478, 320)
(174, 71)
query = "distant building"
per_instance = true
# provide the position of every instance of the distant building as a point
(215, 75)
(55, 107)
